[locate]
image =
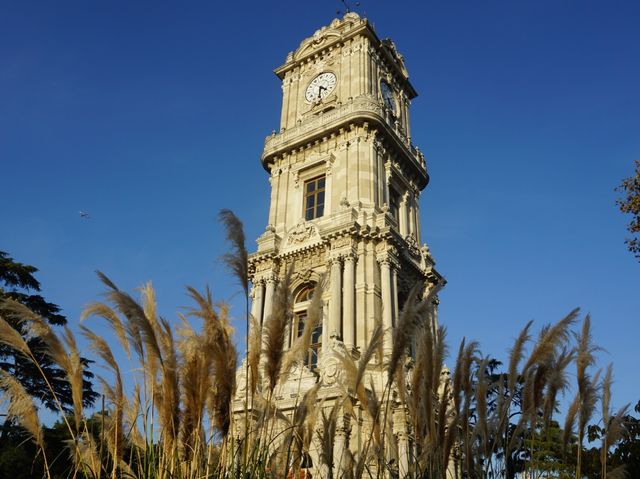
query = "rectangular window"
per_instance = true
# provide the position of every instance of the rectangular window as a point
(314, 198)
(394, 204)
(311, 357)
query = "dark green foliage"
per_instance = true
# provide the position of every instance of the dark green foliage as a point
(628, 451)
(17, 282)
(19, 458)
(630, 204)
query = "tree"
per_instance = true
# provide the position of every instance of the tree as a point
(630, 187)
(627, 452)
(17, 282)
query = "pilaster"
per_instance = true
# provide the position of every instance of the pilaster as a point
(348, 306)
(336, 296)
(387, 302)
(400, 430)
(404, 215)
(257, 296)
(389, 265)
(268, 300)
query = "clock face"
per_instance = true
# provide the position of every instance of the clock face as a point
(387, 96)
(320, 87)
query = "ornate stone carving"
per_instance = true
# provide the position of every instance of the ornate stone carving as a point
(425, 256)
(387, 254)
(301, 233)
(412, 245)
(330, 365)
(264, 266)
(310, 260)
(319, 42)
(341, 242)
(241, 382)
(331, 371)
(303, 276)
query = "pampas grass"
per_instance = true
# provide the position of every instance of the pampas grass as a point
(219, 342)
(275, 327)
(254, 352)
(175, 420)
(236, 259)
(13, 339)
(178, 415)
(327, 438)
(21, 407)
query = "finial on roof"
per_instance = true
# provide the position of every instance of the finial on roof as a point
(347, 8)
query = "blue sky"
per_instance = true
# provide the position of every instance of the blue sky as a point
(151, 116)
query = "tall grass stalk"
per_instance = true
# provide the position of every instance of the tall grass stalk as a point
(181, 417)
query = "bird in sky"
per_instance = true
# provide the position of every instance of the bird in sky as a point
(84, 215)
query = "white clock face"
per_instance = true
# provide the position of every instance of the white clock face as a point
(320, 87)
(387, 96)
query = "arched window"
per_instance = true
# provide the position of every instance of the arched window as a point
(301, 303)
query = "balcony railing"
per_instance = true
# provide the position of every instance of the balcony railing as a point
(362, 104)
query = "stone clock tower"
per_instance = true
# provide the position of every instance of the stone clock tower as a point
(345, 186)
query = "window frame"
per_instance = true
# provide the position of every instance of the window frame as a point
(395, 203)
(300, 307)
(311, 212)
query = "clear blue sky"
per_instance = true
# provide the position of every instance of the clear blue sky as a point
(151, 117)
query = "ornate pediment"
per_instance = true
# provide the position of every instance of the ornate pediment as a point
(326, 35)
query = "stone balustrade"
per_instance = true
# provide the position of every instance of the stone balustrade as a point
(359, 107)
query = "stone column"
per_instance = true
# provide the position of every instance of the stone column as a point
(265, 315)
(256, 305)
(336, 296)
(338, 449)
(406, 117)
(268, 300)
(400, 432)
(361, 297)
(416, 213)
(387, 302)
(348, 307)
(403, 454)
(394, 293)
(405, 216)
(412, 215)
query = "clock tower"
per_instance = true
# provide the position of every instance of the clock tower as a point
(345, 180)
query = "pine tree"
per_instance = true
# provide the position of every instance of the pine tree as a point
(17, 282)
